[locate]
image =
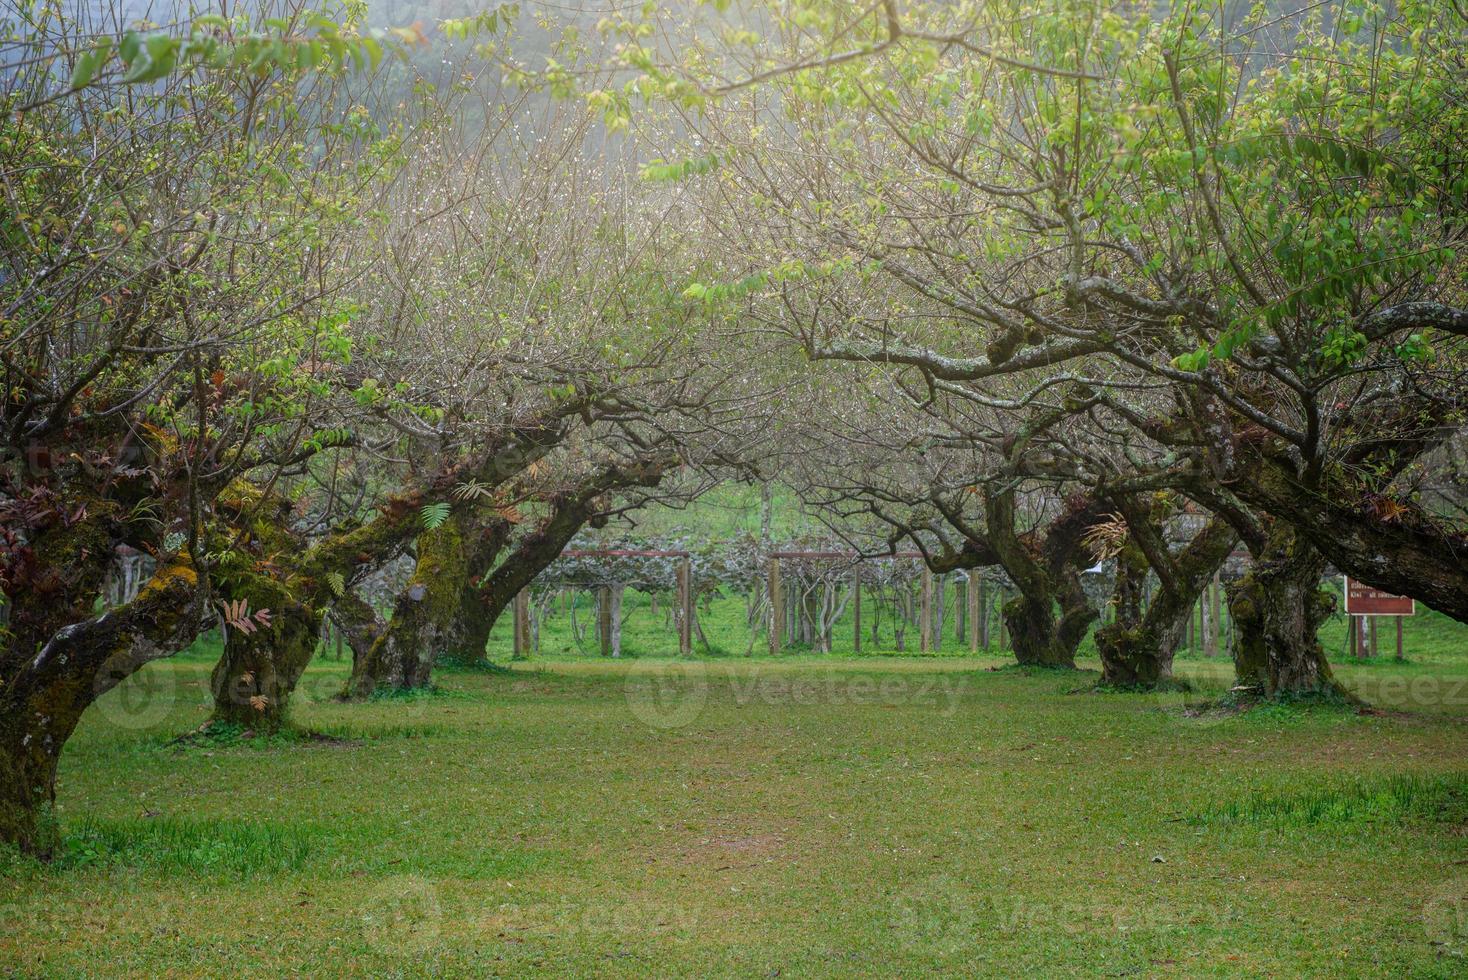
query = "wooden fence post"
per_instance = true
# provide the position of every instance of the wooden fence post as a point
(604, 620)
(520, 626)
(925, 615)
(856, 609)
(984, 613)
(974, 626)
(685, 604)
(614, 620)
(1215, 599)
(777, 611)
(1003, 626)
(940, 610)
(960, 609)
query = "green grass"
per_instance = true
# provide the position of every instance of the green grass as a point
(1408, 797)
(732, 816)
(194, 847)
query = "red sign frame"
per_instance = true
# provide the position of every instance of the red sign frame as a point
(1365, 600)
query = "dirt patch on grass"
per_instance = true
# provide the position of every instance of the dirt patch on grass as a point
(754, 845)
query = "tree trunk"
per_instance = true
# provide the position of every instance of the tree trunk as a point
(1139, 655)
(29, 753)
(442, 611)
(358, 623)
(260, 667)
(1132, 656)
(1277, 606)
(423, 615)
(1038, 637)
(1137, 649)
(402, 658)
(44, 694)
(254, 679)
(1043, 576)
(467, 636)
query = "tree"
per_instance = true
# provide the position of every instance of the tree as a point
(470, 568)
(969, 486)
(165, 249)
(297, 579)
(1262, 289)
(1137, 647)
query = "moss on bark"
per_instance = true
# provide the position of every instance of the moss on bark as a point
(1137, 649)
(1277, 608)
(44, 697)
(259, 668)
(402, 657)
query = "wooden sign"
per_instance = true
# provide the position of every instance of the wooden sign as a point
(1364, 600)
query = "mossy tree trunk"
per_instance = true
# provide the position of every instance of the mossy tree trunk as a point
(1050, 615)
(359, 624)
(31, 753)
(1128, 657)
(451, 605)
(54, 585)
(1137, 649)
(467, 633)
(1277, 608)
(45, 694)
(1040, 637)
(439, 611)
(254, 679)
(260, 667)
(258, 671)
(468, 636)
(427, 609)
(58, 576)
(267, 650)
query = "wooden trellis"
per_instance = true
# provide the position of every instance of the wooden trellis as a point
(977, 625)
(684, 609)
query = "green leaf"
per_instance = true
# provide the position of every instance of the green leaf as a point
(90, 62)
(662, 171)
(132, 42)
(155, 59)
(434, 515)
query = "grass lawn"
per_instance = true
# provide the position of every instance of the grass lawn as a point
(760, 817)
